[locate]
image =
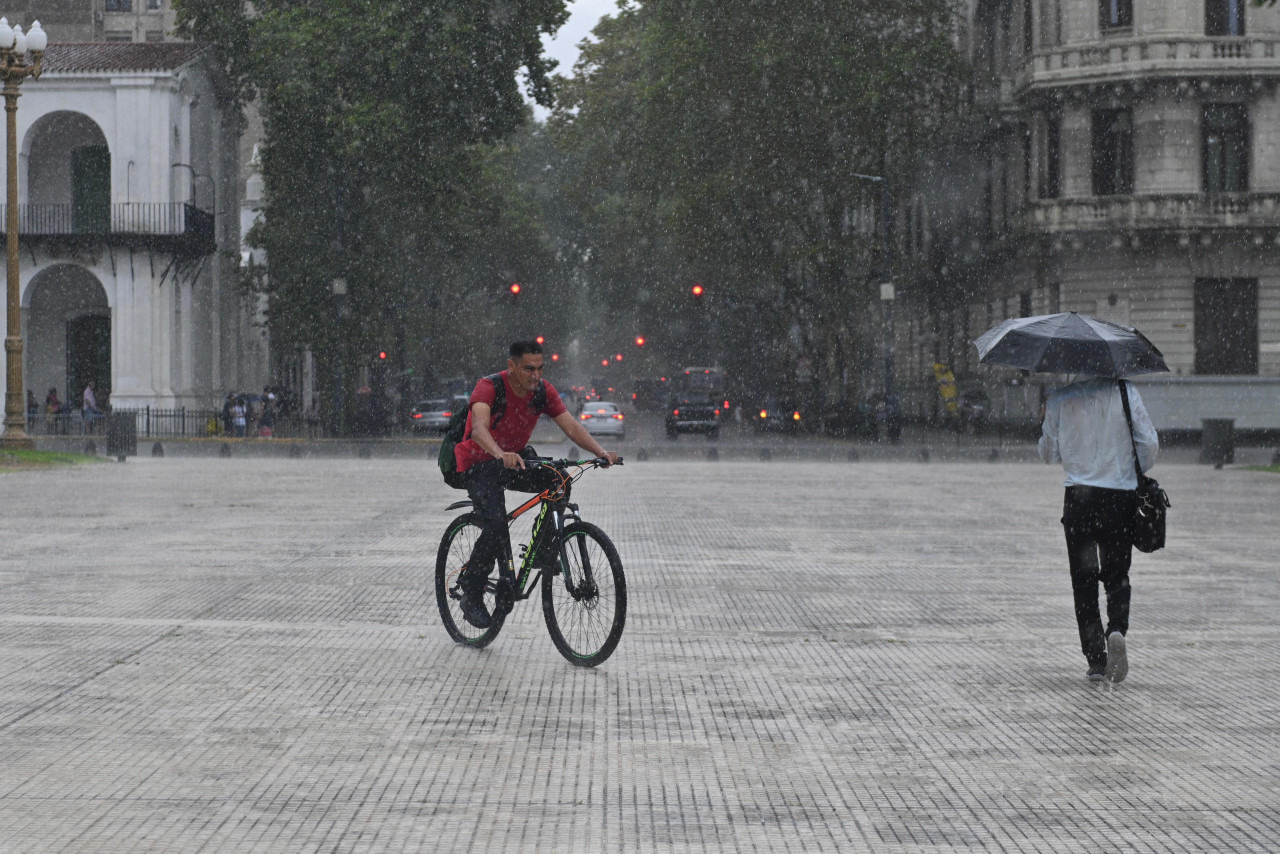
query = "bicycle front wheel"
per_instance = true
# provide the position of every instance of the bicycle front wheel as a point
(585, 600)
(455, 550)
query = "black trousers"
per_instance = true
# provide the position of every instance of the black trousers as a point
(1099, 527)
(486, 483)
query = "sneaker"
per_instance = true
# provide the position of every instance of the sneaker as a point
(1096, 672)
(1117, 661)
(473, 611)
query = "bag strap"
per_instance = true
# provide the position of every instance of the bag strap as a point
(499, 398)
(1128, 417)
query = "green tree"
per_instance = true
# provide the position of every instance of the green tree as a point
(382, 160)
(727, 134)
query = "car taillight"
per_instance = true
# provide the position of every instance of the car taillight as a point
(726, 404)
(795, 416)
(617, 415)
(447, 414)
(417, 415)
(586, 416)
(764, 414)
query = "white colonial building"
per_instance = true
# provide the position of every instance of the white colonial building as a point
(129, 223)
(1125, 165)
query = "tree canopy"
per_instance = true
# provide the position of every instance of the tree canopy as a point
(384, 159)
(718, 142)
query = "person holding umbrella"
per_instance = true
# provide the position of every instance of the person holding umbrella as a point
(1094, 427)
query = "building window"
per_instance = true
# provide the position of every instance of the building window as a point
(1112, 152)
(1226, 318)
(1050, 184)
(1114, 14)
(119, 6)
(1224, 132)
(1224, 17)
(153, 5)
(119, 37)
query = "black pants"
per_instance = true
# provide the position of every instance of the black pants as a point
(1099, 527)
(486, 482)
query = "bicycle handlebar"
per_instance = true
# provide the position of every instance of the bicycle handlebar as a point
(595, 463)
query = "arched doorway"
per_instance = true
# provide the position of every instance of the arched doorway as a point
(68, 333)
(69, 173)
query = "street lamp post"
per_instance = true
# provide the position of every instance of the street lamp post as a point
(14, 47)
(886, 284)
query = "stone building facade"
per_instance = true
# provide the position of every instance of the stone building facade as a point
(129, 223)
(1124, 164)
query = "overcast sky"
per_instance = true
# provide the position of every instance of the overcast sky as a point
(583, 17)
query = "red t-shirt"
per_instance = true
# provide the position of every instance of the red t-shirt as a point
(513, 430)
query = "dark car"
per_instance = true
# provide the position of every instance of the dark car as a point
(779, 416)
(693, 412)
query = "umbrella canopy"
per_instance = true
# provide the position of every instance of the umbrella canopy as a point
(1069, 343)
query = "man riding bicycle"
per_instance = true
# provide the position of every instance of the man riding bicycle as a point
(491, 458)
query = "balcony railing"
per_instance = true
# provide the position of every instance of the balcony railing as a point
(137, 218)
(1113, 59)
(1165, 211)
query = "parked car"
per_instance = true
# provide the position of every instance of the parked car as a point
(432, 416)
(693, 412)
(602, 418)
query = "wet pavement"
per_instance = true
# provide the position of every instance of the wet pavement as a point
(201, 654)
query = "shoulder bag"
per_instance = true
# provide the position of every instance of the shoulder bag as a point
(1149, 517)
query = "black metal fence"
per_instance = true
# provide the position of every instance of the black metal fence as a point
(151, 423)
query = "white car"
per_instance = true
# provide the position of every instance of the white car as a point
(602, 418)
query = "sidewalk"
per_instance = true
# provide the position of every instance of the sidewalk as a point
(243, 655)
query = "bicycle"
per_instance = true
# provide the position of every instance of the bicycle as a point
(584, 591)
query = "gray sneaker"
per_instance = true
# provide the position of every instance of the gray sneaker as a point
(1097, 672)
(1117, 660)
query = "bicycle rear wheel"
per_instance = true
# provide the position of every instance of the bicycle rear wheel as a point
(455, 549)
(585, 600)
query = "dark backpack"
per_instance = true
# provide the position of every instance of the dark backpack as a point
(456, 430)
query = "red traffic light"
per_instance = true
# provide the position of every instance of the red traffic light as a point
(696, 290)
(515, 289)
(604, 363)
(639, 340)
(540, 340)
(555, 357)
(382, 355)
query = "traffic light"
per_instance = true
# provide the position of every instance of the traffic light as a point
(697, 291)
(618, 357)
(555, 357)
(540, 340)
(639, 340)
(382, 355)
(515, 290)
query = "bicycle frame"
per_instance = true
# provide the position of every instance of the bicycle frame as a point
(554, 507)
(526, 580)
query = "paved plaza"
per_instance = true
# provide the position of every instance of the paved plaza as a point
(244, 655)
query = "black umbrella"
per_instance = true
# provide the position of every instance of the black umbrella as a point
(1069, 343)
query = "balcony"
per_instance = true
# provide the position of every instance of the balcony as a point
(167, 226)
(1167, 211)
(1115, 60)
